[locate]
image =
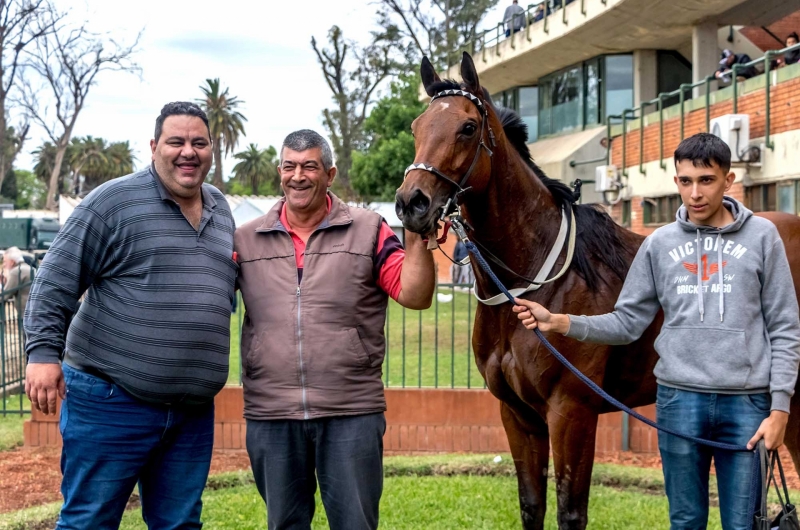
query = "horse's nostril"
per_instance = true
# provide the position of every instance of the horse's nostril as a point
(399, 206)
(419, 202)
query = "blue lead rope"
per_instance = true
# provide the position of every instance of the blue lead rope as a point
(755, 481)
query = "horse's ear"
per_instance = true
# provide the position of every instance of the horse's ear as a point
(429, 76)
(469, 74)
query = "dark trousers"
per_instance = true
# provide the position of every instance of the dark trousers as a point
(113, 441)
(345, 453)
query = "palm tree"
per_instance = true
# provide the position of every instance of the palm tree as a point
(225, 122)
(256, 166)
(87, 155)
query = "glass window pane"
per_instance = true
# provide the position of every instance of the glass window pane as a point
(511, 99)
(770, 196)
(545, 106)
(592, 83)
(786, 197)
(626, 213)
(529, 110)
(673, 70)
(618, 80)
(567, 104)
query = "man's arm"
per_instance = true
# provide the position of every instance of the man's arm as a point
(69, 267)
(417, 277)
(634, 311)
(12, 282)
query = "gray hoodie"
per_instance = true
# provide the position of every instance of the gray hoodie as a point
(730, 312)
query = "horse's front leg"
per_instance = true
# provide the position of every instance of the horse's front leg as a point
(530, 447)
(573, 427)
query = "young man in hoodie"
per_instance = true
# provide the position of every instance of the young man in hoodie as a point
(730, 344)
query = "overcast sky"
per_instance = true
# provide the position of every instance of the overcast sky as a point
(260, 49)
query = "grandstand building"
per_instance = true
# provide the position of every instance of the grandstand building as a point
(608, 89)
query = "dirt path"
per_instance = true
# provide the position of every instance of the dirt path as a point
(33, 477)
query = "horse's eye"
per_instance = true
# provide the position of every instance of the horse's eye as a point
(468, 129)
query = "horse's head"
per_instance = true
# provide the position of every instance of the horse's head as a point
(454, 140)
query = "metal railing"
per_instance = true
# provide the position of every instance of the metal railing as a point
(495, 35)
(12, 351)
(681, 92)
(424, 349)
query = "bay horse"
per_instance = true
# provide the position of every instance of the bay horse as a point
(515, 213)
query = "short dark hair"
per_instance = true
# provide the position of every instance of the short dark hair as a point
(793, 35)
(704, 150)
(305, 139)
(180, 108)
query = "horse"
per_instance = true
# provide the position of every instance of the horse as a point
(471, 153)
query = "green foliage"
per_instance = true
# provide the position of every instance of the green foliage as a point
(378, 171)
(225, 122)
(30, 191)
(88, 162)
(257, 168)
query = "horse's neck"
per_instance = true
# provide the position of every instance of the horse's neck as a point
(516, 218)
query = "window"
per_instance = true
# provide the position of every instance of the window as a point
(528, 108)
(626, 213)
(561, 101)
(591, 80)
(787, 197)
(661, 210)
(762, 198)
(525, 101)
(673, 70)
(618, 79)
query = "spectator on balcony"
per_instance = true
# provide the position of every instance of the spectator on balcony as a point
(539, 14)
(726, 63)
(790, 57)
(514, 18)
(16, 278)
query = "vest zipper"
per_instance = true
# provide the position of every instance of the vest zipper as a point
(300, 354)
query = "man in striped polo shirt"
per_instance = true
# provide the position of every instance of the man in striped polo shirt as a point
(148, 349)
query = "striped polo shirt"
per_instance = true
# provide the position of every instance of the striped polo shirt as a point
(156, 316)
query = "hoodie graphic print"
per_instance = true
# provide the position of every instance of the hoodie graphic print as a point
(731, 320)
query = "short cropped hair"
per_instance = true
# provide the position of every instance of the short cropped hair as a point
(306, 139)
(179, 108)
(704, 150)
(13, 254)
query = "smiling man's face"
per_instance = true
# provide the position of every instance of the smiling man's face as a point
(182, 155)
(304, 179)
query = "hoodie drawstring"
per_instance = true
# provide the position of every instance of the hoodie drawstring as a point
(721, 278)
(698, 252)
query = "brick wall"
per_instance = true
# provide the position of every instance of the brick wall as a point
(785, 116)
(418, 421)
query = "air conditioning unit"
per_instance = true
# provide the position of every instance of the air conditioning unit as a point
(606, 178)
(734, 130)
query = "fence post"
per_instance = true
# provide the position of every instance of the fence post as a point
(624, 142)
(735, 89)
(641, 137)
(682, 96)
(626, 437)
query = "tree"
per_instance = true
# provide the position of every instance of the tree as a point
(29, 191)
(225, 122)
(89, 162)
(67, 63)
(433, 28)
(22, 22)
(378, 171)
(353, 86)
(258, 168)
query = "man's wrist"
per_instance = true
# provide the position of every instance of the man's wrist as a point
(561, 324)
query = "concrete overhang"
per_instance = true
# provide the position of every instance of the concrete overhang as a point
(619, 26)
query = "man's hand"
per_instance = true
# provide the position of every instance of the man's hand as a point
(43, 382)
(534, 316)
(772, 430)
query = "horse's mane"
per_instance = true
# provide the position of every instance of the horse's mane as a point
(598, 235)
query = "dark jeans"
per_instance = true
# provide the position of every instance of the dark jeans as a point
(346, 452)
(112, 441)
(732, 419)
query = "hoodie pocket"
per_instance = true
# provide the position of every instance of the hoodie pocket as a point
(703, 357)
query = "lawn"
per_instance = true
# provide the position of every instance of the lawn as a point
(440, 493)
(11, 422)
(430, 348)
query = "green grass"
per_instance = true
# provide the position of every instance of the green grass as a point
(430, 348)
(11, 422)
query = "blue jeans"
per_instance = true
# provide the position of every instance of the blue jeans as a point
(113, 441)
(727, 418)
(344, 453)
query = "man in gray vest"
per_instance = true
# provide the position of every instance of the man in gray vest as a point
(316, 276)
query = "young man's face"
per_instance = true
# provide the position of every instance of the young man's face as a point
(702, 189)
